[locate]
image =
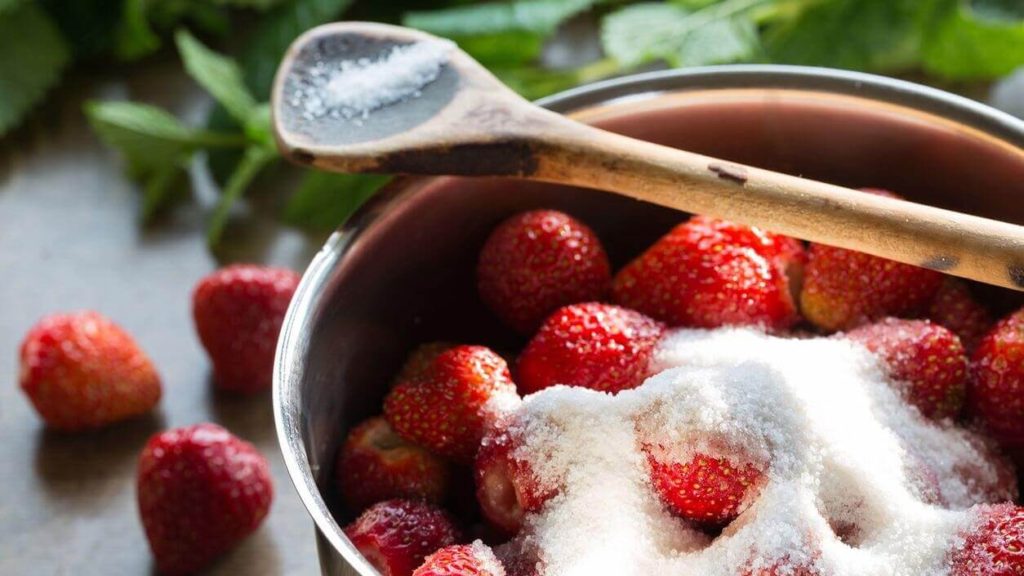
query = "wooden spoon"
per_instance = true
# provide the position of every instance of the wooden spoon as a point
(466, 122)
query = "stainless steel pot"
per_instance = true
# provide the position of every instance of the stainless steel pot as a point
(401, 270)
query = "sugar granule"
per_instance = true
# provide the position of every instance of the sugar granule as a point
(354, 88)
(838, 443)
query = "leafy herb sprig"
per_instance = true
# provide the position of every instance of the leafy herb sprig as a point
(948, 39)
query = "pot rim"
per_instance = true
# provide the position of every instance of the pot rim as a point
(293, 342)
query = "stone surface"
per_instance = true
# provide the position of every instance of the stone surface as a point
(70, 239)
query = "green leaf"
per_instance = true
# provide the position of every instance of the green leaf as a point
(878, 35)
(254, 4)
(976, 43)
(135, 37)
(155, 145)
(499, 33)
(34, 57)
(650, 32)
(218, 74)
(325, 200)
(255, 159)
(276, 31)
(537, 16)
(6, 5)
(998, 9)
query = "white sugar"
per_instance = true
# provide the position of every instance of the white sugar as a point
(352, 89)
(842, 450)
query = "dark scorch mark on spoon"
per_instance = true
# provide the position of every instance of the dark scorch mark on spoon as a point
(941, 263)
(737, 174)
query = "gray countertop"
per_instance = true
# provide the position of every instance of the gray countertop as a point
(70, 239)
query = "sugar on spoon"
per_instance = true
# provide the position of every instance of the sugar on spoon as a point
(366, 97)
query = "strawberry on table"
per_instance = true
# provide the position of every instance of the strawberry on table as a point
(704, 489)
(201, 491)
(592, 345)
(538, 261)
(506, 486)
(705, 273)
(376, 464)
(994, 394)
(955, 308)
(993, 545)
(476, 559)
(448, 408)
(238, 311)
(83, 371)
(395, 536)
(924, 356)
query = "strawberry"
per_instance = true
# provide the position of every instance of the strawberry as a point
(925, 357)
(395, 536)
(448, 409)
(955, 308)
(996, 379)
(993, 545)
(704, 489)
(506, 486)
(82, 371)
(536, 262)
(843, 289)
(476, 559)
(705, 274)
(520, 557)
(784, 568)
(201, 491)
(597, 346)
(238, 311)
(420, 358)
(376, 464)
(786, 253)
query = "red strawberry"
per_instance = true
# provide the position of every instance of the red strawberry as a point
(83, 371)
(238, 312)
(395, 536)
(506, 486)
(538, 261)
(597, 346)
(375, 464)
(784, 568)
(706, 275)
(785, 252)
(996, 379)
(955, 308)
(476, 559)
(448, 409)
(927, 358)
(419, 360)
(994, 545)
(704, 489)
(201, 491)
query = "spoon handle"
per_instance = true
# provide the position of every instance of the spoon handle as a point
(960, 244)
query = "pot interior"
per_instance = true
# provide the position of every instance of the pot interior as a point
(408, 274)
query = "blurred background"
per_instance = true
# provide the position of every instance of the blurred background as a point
(136, 156)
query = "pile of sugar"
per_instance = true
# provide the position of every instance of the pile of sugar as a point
(840, 446)
(352, 89)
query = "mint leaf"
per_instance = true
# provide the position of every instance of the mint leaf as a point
(35, 55)
(134, 37)
(254, 4)
(499, 33)
(324, 200)
(276, 31)
(255, 159)
(537, 16)
(878, 35)
(6, 5)
(155, 145)
(976, 42)
(650, 32)
(218, 74)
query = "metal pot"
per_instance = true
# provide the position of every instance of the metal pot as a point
(400, 271)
